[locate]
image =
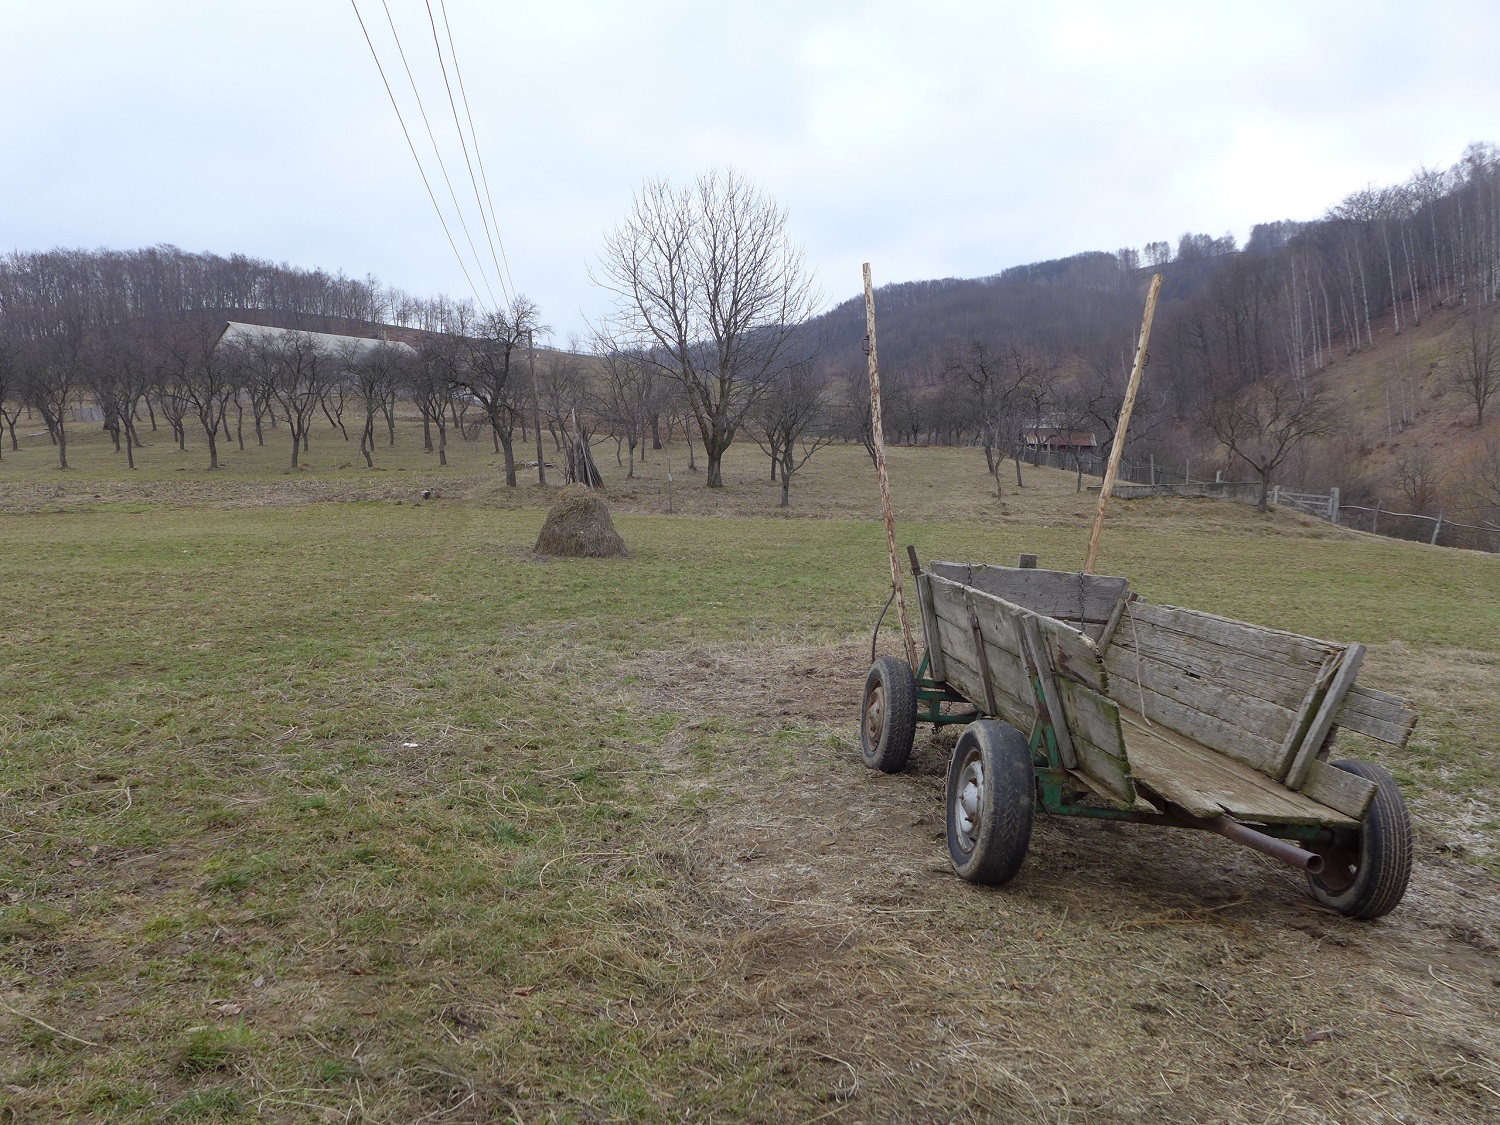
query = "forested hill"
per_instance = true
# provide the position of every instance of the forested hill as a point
(1295, 298)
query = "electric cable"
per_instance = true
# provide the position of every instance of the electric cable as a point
(437, 152)
(412, 146)
(458, 125)
(483, 175)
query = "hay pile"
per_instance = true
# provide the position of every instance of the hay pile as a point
(578, 526)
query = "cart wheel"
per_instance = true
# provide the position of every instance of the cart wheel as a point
(991, 802)
(888, 715)
(1366, 870)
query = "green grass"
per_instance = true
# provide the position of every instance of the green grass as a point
(359, 804)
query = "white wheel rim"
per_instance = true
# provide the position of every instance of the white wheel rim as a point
(968, 810)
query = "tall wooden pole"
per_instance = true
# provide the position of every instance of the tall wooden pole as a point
(877, 429)
(1118, 449)
(536, 407)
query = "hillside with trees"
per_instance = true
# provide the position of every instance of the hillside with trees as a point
(1356, 350)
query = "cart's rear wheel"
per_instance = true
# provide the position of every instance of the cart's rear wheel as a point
(991, 802)
(888, 715)
(1365, 871)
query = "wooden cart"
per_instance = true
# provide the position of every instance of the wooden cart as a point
(1080, 699)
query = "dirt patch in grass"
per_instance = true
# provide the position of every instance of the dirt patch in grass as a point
(1128, 974)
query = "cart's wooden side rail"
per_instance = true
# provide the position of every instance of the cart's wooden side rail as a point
(1086, 601)
(960, 621)
(1238, 688)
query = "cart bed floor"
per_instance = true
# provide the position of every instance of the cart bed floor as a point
(1206, 783)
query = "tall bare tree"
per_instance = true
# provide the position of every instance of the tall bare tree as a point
(1478, 372)
(713, 290)
(1263, 423)
(490, 371)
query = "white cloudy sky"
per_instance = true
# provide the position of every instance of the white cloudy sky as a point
(932, 139)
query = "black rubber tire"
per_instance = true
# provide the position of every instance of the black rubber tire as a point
(888, 715)
(990, 812)
(1367, 871)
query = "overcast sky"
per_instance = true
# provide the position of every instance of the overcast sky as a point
(931, 139)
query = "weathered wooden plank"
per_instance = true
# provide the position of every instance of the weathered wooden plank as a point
(1317, 731)
(1093, 721)
(1249, 669)
(952, 604)
(1207, 784)
(1245, 728)
(1031, 636)
(1272, 644)
(930, 639)
(1106, 632)
(1005, 676)
(1349, 793)
(1071, 653)
(1064, 595)
(1377, 714)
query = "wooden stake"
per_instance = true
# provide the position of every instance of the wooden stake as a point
(1123, 425)
(877, 429)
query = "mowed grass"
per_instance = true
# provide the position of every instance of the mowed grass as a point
(354, 811)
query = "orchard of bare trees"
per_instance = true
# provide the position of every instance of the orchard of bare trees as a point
(716, 339)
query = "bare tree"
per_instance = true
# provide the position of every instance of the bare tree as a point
(998, 381)
(788, 424)
(120, 373)
(490, 373)
(374, 374)
(1478, 373)
(287, 366)
(10, 391)
(1263, 423)
(204, 371)
(627, 398)
(713, 290)
(425, 376)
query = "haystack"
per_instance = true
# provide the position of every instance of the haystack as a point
(578, 526)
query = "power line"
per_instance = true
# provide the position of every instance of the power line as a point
(410, 145)
(464, 94)
(458, 125)
(484, 276)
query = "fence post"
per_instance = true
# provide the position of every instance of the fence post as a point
(1187, 472)
(1375, 520)
(1218, 476)
(1276, 495)
(1333, 505)
(1153, 470)
(1437, 528)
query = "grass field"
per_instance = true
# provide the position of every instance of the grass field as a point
(317, 806)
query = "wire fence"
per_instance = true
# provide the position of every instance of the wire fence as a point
(1148, 478)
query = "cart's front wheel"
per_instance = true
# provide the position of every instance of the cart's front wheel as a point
(991, 802)
(888, 715)
(1365, 872)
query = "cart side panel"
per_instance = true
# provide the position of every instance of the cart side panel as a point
(1094, 724)
(1092, 720)
(955, 637)
(1237, 688)
(1374, 713)
(1084, 600)
(931, 638)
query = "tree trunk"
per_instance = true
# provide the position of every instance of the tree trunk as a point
(510, 457)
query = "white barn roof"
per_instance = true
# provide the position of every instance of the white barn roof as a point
(327, 343)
